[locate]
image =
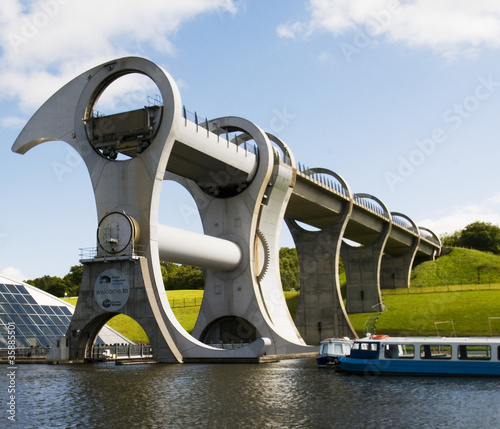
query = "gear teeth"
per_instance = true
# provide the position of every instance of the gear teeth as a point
(267, 255)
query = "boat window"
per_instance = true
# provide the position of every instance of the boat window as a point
(435, 351)
(324, 349)
(369, 346)
(337, 349)
(474, 352)
(399, 351)
(364, 350)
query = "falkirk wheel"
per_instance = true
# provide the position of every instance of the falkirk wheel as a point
(245, 183)
(241, 196)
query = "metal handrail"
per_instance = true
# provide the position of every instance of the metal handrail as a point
(230, 137)
(369, 204)
(325, 180)
(88, 253)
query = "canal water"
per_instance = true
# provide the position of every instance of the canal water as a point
(286, 394)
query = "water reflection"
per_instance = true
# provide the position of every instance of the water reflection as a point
(292, 394)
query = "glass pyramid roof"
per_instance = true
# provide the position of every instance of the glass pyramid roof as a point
(39, 317)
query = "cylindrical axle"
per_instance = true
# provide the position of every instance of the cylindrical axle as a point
(187, 247)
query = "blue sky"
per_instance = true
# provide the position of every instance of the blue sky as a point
(398, 97)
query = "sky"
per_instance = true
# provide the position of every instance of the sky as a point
(399, 97)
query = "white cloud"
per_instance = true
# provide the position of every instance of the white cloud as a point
(12, 122)
(325, 58)
(45, 43)
(462, 215)
(290, 31)
(450, 27)
(13, 274)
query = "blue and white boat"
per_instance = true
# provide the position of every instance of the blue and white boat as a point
(331, 349)
(424, 356)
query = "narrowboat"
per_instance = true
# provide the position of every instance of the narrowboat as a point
(474, 356)
(331, 349)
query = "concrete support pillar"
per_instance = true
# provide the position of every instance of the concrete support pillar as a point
(362, 267)
(396, 270)
(321, 311)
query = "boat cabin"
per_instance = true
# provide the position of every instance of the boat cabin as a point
(424, 355)
(411, 348)
(334, 347)
(331, 349)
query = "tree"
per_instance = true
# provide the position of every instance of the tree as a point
(74, 279)
(451, 240)
(53, 285)
(69, 285)
(182, 276)
(289, 269)
(481, 236)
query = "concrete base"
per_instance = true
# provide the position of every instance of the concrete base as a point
(136, 298)
(256, 360)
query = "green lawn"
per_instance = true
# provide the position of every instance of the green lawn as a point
(129, 328)
(415, 314)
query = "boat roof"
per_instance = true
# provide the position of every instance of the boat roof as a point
(333, 340)
(435, 340)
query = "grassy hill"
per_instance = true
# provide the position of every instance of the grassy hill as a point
(458, 267)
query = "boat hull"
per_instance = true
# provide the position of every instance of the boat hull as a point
(325, 361)
(420, 367)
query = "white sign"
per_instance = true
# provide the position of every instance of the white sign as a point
(111, 289)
